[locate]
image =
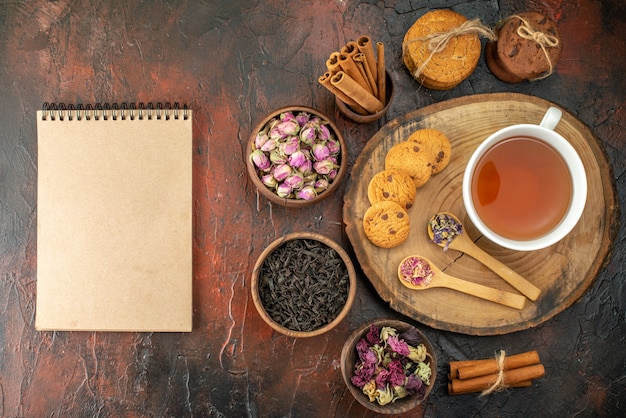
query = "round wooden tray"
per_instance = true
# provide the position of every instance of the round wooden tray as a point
(563, 271)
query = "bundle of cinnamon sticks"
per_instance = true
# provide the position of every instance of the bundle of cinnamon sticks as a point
(487, 375)
(356, 75)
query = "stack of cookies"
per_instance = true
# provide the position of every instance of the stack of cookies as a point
(445, 68)
(391, 192)
(528, 48)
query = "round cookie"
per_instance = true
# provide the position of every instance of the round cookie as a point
(411, 158)
(448, 68)
(394, 185)
(436, 144)
(386, 224)
(513, 58)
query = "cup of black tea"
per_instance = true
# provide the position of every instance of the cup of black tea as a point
(525, 186)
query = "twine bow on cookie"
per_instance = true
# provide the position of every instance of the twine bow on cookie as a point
(542, 39)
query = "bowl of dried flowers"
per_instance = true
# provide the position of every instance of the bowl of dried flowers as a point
(389, 366)
(296, 156)
(303, 284)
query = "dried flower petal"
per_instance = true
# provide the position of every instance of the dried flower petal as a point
(397, 345)
(416, 271)
(445, 228)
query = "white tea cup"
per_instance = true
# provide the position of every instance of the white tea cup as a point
(491, 183)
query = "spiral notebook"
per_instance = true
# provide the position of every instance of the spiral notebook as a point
(114, 218)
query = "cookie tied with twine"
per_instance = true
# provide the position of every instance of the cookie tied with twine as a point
(442, 48)
(528, 48)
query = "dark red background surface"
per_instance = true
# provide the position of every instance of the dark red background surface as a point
(232, 62)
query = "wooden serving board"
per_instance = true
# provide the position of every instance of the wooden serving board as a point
(563, 271)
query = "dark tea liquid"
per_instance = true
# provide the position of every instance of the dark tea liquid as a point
(521, 188)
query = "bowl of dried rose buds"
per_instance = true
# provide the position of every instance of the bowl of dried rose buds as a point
(296, 156)
(389, 366)
(303, 284)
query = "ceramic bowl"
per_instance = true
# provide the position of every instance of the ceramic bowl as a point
(334, 179)
(263, 279)
(349, 357)
(348, 112)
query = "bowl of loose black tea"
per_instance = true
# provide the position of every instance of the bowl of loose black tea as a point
(389, 366)
(296, 156)
(303, 284)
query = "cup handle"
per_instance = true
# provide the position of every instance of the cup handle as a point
(551, 118)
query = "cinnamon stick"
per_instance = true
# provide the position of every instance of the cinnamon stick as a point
(456, 365)
(353, 90)
(523, 384)
(364, 68)
(382, 73)
(324, 80)
(490, 366)
(350, 49)
(332, 63)
(511, 377)
(350, 67)
(364, 43)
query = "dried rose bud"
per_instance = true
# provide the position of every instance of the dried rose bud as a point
(321, 184)
(289, 145)
(320, 152)
(276, 134)
(307, 135)
(261, 138)
(295, 181)
(286, 116)
(324, 166)
(277, 157)
(306, 168)
(324, 133)
(297, 158)
(269, 180)
(283, 190)
(334, 146)
(303, 118)
(260, 160)
(307, 193)
(269, 145)
(282, 171)
(288, 128)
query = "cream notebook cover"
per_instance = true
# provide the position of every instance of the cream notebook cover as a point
(114, 220)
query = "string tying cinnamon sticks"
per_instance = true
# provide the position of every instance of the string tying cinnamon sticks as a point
(493, 375)
(356, 75)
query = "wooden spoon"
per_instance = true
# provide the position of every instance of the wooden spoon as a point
(462, 242)
(418, 273)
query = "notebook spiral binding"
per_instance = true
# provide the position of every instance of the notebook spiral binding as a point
(114, 111)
